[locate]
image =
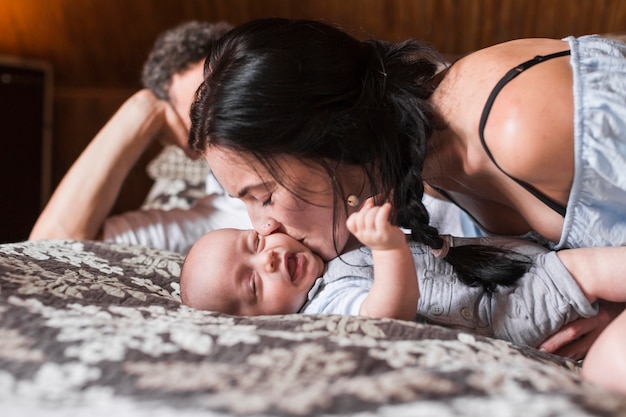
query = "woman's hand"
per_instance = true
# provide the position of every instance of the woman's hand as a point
(575, 338)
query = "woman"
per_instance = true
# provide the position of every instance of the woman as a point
(295, 117)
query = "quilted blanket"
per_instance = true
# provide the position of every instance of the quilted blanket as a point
(96, 329)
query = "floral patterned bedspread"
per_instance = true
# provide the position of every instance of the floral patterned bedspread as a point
(95, 329)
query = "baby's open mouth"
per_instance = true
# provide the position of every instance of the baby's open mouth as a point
(292, 264)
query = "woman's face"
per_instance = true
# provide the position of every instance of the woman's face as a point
(272, 207)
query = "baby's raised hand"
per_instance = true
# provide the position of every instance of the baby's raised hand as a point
(371, 226)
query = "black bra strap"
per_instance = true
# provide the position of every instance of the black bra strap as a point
(448, 197)
(483, 121)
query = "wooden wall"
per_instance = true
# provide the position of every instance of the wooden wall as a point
(97, 47)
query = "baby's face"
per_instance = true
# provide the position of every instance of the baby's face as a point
(240, 272)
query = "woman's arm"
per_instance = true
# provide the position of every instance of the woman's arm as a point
(575, 338)
(86, 195)
(599, 273)
(395, 290)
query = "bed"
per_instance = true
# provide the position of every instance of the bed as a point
(97, 329)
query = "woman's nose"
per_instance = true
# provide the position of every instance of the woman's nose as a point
(266, 226)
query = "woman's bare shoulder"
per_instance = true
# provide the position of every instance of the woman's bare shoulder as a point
(510, 52)
(491, 63)
(530, 125)
(463, 92)
(529, 128)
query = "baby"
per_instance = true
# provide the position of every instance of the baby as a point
(240, 272)
(243, 273)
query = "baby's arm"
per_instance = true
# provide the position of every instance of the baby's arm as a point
(395, 291)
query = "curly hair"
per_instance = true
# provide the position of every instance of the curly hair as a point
(176, 49)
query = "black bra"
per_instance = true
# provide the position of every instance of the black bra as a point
(483, 121)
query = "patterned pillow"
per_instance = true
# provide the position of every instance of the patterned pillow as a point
(173, 163)
(178, 181)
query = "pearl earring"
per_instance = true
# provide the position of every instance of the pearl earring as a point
(353, 200)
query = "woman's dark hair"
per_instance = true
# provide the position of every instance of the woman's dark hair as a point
(309, 90)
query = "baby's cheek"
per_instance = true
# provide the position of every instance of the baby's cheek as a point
(300, 300)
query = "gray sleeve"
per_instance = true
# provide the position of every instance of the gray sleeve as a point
(541, 303)
(343, 296)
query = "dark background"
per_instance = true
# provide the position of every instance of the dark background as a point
(96, 49)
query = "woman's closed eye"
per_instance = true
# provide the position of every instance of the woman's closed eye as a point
(267, 201)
